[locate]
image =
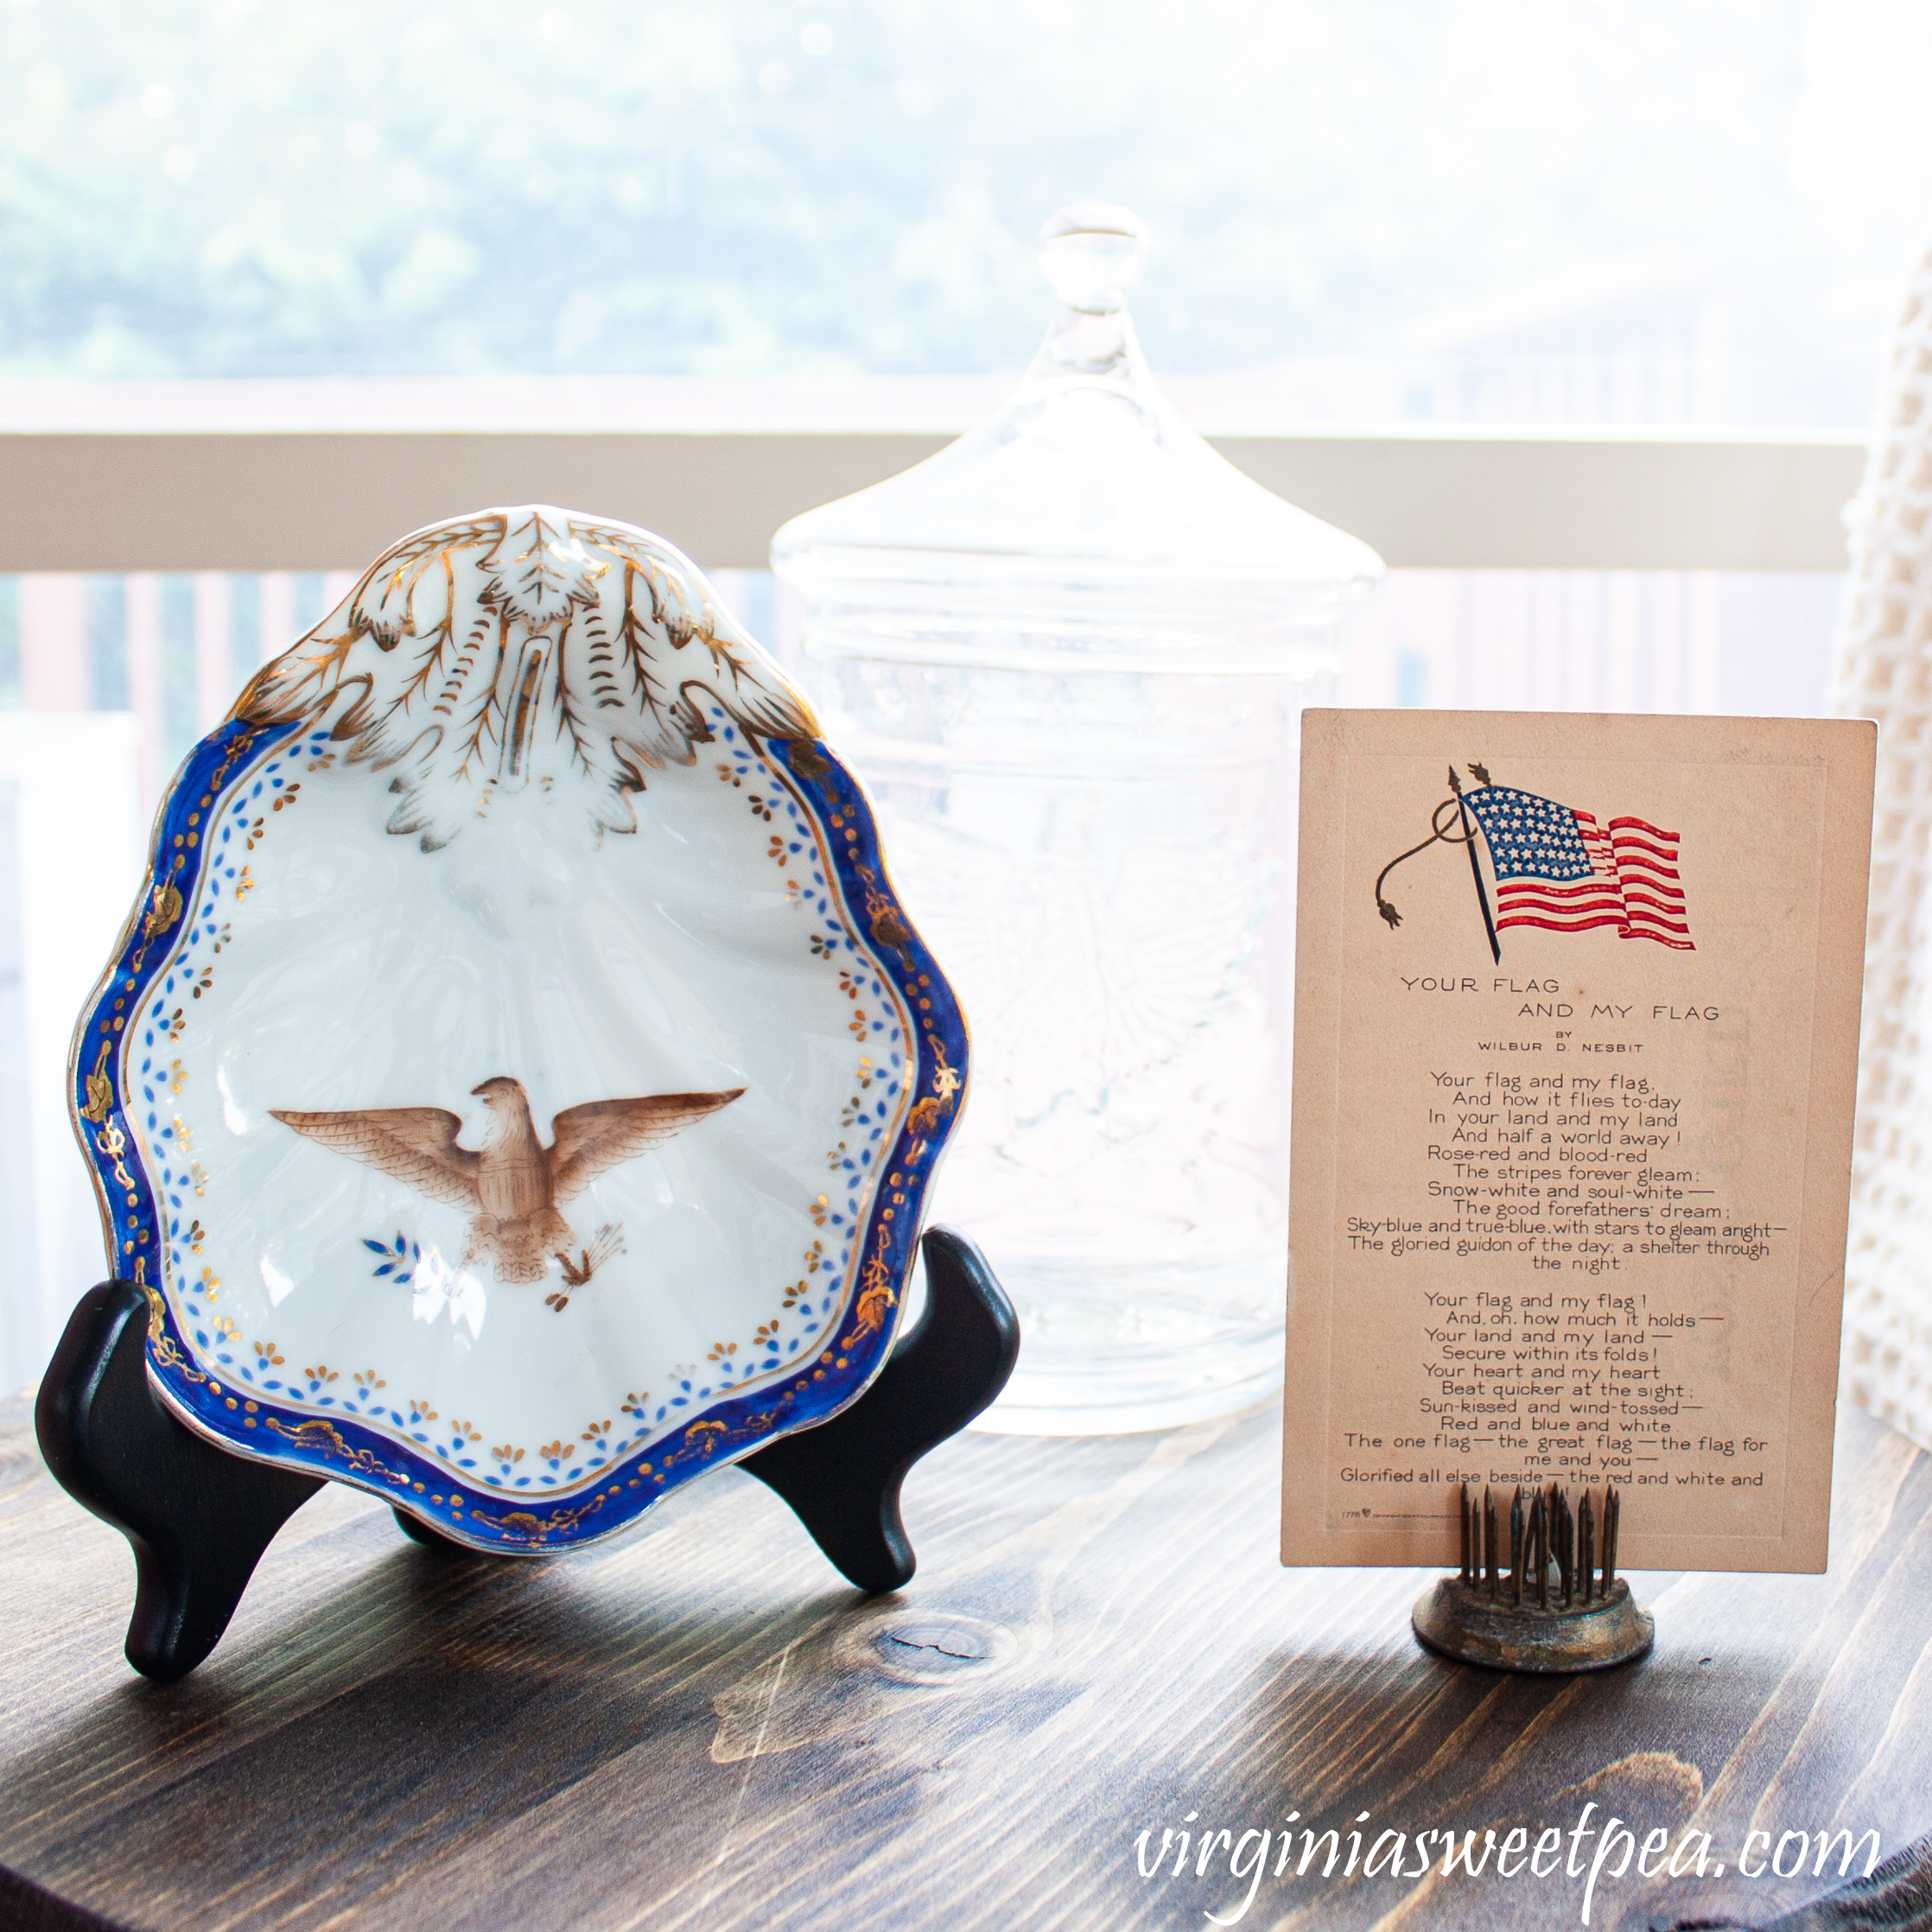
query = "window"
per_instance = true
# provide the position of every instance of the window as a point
(1627, 211)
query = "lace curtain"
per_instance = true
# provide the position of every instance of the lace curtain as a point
(1884, 671)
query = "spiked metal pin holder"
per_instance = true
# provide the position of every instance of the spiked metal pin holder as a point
(1548, 1602)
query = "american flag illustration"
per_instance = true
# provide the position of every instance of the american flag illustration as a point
(1558, 869)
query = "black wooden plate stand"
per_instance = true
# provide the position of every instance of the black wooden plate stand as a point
(200, 1518)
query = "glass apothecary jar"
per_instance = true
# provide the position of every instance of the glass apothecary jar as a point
(1069, 655)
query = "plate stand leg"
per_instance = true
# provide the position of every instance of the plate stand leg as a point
(842, 1478)
(198, 1519)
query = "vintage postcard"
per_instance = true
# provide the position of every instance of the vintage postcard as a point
(1576, 1041)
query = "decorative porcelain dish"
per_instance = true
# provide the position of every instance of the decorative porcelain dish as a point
(517, 1085)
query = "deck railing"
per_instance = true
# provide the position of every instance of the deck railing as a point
(290, 476)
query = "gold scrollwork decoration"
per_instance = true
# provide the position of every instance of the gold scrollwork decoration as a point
(523, 1526)
(327, 1438)
(926, 1112)
(875, 1297)
(113, 1143)
(163, 1348)
(166, 910)
(888, 928)
(808, 762)
(100, 1089)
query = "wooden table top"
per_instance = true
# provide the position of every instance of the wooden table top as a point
(699, 1726)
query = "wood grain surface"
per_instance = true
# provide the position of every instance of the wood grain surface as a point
(698, 1725)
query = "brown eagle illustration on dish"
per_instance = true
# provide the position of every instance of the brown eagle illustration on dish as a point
(512, 1184)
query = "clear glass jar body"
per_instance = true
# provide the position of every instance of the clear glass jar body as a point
(1087, 780)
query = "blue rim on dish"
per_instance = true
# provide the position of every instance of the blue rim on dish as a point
(115, 1075)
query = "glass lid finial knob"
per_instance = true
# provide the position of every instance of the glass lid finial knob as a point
(1092, 252)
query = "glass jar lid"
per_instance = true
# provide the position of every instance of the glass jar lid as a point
(1086, 462)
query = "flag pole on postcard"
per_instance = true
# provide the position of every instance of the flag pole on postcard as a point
(1475, 866)
(1438, 830)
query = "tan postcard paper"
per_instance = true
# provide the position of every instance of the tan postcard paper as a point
(1576, 1045)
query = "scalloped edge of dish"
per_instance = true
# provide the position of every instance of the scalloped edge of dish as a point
(340, 1447)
